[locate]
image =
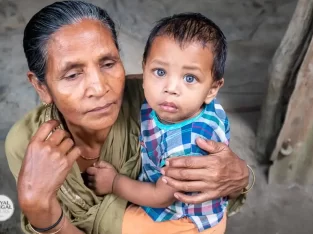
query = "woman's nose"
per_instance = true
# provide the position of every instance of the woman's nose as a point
(97, 84)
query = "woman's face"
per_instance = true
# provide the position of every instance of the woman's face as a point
(85, 76)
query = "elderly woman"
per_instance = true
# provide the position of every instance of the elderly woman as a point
(91, 113)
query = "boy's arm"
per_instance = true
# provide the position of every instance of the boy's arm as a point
(158, 195)
(104, 179)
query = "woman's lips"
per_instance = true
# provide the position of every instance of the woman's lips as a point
(101, 109)
(168, 107)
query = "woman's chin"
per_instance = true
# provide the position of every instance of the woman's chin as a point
(101, 123)
(94, 122)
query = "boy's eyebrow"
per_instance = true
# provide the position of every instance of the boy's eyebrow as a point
(191, 68)
(160, 62)
(186, 67)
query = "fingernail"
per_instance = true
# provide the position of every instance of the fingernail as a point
(201, 139)
(164, 180)
(162, 172)
(167, 162)
(176, 196)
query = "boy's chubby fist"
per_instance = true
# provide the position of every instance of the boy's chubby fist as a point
(101, 177)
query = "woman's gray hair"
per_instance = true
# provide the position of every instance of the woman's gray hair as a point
(50, 19)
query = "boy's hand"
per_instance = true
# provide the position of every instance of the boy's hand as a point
(101, 177)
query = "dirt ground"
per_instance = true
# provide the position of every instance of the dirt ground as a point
(253, 29)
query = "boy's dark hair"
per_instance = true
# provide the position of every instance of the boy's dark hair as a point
(192, 27)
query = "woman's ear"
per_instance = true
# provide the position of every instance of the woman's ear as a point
(214, 90)
(40, 88)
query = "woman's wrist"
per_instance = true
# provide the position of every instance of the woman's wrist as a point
(250, 185)
(33, 200)
(45, 214)
(245, 182)
(235, 194)
(59, 224)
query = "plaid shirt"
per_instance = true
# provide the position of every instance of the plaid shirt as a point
(161, 141)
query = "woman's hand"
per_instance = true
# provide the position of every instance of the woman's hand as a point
(221, 173)
(47, 162)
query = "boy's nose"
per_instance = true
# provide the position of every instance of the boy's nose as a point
(171, 87)
(170, 91)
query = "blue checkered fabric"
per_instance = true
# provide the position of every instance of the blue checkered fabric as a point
(161, 141)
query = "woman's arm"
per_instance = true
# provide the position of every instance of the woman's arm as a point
(222, 173)
(44, 214)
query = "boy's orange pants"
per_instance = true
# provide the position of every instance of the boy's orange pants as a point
(136, 221)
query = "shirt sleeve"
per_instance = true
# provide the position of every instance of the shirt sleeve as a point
(150, 171)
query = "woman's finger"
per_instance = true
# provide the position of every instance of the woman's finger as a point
(185, 186)
(73, 155)
(188, 162)
(45, 130)
(185, 174)
(212, 147)
(57, 136)
(66, 145)
(193, 199)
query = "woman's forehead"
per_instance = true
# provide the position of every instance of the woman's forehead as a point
(86, 39)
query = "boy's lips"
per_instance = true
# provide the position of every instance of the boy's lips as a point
(168, 107)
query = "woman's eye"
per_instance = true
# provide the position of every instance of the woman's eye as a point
(108, 65)
(190, 79)
(72, 76)
(159, 72)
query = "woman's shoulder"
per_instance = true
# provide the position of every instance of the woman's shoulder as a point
(19, 137)
(133, 87)
(134, 94)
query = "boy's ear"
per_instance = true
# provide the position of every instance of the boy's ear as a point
(143, 73)
(214, 90)
(41, 88)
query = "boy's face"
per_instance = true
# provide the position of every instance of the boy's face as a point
(178, 81)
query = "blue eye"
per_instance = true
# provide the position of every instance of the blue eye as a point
(159, 72)
(189, 79)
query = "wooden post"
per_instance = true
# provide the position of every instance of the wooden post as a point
(282, 73)
(293, 154)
